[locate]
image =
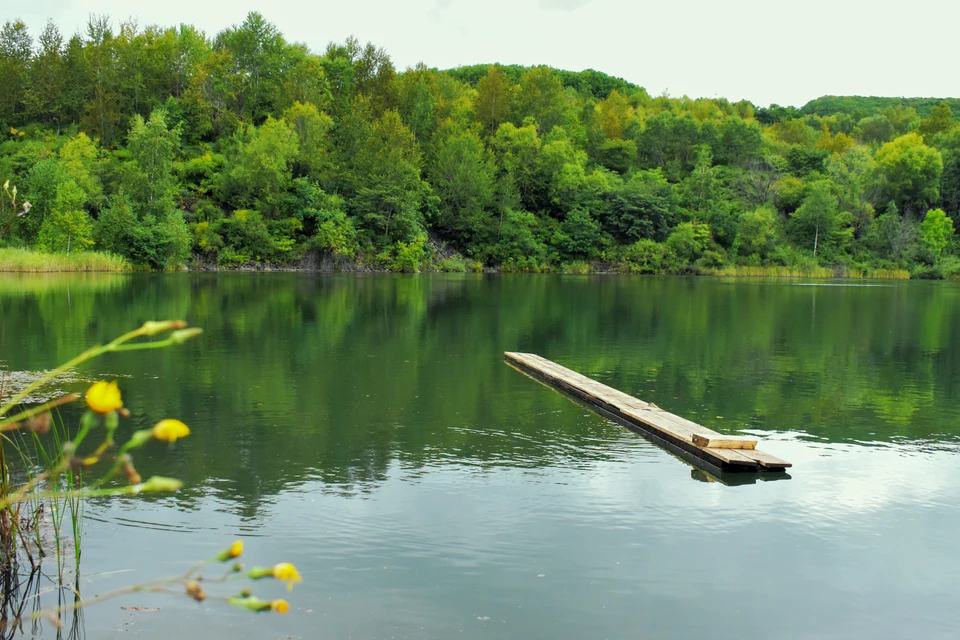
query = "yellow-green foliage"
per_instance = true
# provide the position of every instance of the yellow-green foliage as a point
(890, 274)
(809, 272)
(35, 261)
(773, 272)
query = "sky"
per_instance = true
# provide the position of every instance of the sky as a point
(763, 51)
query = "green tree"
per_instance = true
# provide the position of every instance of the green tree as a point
(936, 232)
(79, 158)
(115, 225)
(46, 80)
(462, 175)
(615, 112)
(99, 73)
(336, 235)
(739, 140)
(161, 239)
(644, 207)
(874, 130)
(689, 240)
(517, 151)
(894, 234)
(150, 183)
(314, 157)
(541, 97)
(579, 235)
(262, 169)
(494, 100)
(260, 60)
(700, 189)
(911, 172)
(42, 182)
(940, 121)
(819, 223)
(16, 51)
(390, 193)
(67, 227)
(758, 232)
(855, 173)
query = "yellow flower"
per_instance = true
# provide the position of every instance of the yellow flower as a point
(233, 551)
(170, 430)
(104, 397)
(287, 573)
(280, 606)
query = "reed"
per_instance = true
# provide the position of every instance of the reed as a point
(49, 479)
(772, 272)
(890, 274)
(26, 261)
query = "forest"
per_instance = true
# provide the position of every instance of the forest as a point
(170, 148)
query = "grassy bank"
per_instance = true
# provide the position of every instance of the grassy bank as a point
(26, 261)
(814, 272)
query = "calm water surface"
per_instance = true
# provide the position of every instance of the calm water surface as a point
(367, 429)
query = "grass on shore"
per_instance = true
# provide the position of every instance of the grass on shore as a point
(813, 272)
(27, 261)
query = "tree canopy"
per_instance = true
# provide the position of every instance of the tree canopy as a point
(168, 146)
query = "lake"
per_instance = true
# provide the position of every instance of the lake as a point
(366, 428)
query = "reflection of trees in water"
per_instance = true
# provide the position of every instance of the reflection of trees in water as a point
(336, 378)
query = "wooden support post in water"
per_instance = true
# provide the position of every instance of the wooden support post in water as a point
(728, 453)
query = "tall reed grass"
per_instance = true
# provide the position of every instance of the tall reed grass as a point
(809, 272)
(24, 260)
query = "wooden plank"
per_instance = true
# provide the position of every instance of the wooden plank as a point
(734, 457)
(766, 460)
(726, 452)
(724, 442)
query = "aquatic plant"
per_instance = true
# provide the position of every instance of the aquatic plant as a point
(48, 479)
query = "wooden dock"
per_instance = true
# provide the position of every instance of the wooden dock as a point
(727, 453)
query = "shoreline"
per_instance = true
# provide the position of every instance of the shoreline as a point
(27, 261)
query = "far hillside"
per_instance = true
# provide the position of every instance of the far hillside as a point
(859, 107)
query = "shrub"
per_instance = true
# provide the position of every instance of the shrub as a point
(453, 264)
(410, 256)
(580, 267)
(689, 240)
(648, 256)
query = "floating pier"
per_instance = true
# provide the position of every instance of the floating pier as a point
(726, 453)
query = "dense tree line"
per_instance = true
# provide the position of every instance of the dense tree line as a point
(170, 147)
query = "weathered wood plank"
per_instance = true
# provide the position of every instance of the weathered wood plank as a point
(726, 452)
(724, 442)
(766, 460)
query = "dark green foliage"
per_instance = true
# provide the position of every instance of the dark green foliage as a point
(645, 207)
(243, 148)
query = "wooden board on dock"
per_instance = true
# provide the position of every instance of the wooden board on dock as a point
(729, 453)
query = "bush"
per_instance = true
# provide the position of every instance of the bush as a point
(246, 235)
(67, 227)
(114, 226)
(951, 267)
(453, 264)
(689, 240)
(648, 256)
(410, 256)
(927, 272)
(580, 267)
(758, 233)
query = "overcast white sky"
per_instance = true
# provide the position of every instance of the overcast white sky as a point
(765, 51)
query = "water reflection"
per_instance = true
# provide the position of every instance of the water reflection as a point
(367, 429)
(306, 377)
